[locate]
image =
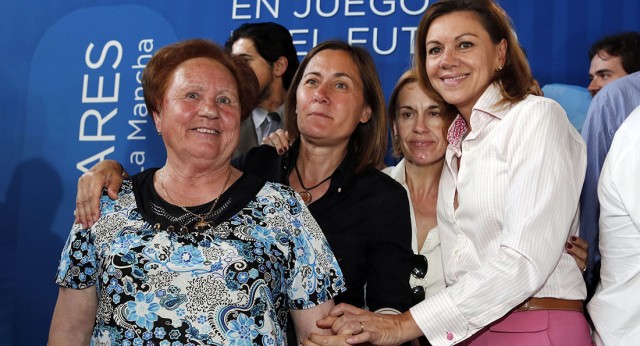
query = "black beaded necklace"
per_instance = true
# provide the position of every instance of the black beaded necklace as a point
(306, 194)
(204, 222)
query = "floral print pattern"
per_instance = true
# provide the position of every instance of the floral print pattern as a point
(231, 285)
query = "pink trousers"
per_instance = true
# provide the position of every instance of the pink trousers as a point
(535, 328)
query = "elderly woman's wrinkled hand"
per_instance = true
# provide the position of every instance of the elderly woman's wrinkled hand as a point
(278, 139)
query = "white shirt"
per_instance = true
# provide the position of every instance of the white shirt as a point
(615, 307)
(521, 174)
(434, 280)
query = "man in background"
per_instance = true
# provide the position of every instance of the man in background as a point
(615, 307)
(268, 48)
(608, 109)
(613, 57)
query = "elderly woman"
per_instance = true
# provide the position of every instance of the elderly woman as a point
(195, 252)
(507, 201)
(335, 112)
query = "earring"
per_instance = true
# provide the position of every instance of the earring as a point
(499, 68)
(159, 133)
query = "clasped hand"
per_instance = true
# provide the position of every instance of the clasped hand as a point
(353, 326)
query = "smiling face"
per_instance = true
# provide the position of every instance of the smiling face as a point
(420, 126)
(330, 100)
(199, 116)
(461, 59)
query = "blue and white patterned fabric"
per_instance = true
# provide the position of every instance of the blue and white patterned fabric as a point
(230, 285)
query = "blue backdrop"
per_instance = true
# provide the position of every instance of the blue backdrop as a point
(70, 95)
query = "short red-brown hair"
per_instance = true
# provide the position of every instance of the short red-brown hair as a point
(158, 72)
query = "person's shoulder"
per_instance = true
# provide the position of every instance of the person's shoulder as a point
(380, 181)
(145, 176)
(119, 208)
(388, 170)
(611, 105)
(543, 118)
(126, 197)
(618, 90)
(537, 109)
(261, 151)
(278, 189)
(396, 172)
(138, 181)
(631, 126)
(256, 157)
(386, 201)
(540, 101)
(622, 155)
(280, 194)
(631, 80)
(126, 188)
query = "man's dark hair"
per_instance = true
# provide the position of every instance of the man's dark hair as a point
(271, 41)
(626, 45)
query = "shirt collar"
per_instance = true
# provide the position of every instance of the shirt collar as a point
(456, 133)
(488, 103)
(483, 111)
(259, 114)
(397, 172)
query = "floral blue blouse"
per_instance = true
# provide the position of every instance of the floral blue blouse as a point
(228, 285)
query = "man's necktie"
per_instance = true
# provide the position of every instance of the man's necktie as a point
(271, 123)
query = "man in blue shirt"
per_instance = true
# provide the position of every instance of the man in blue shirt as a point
(609, 108)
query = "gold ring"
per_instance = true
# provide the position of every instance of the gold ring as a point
(361, 327)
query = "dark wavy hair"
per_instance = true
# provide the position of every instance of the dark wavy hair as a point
(626, 45)
(157, 75)
(272, 41)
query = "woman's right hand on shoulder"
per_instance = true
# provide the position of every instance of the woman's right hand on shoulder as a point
(105, 174)
(278, 139)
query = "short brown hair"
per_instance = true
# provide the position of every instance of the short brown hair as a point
(447, 111)
(368, 141)
(157, 75)
(515, 79)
